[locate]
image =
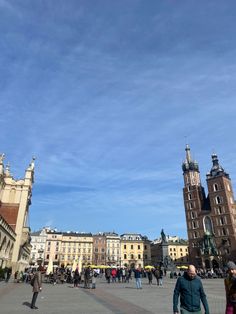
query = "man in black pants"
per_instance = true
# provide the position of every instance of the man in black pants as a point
(36, 282)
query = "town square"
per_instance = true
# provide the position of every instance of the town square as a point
(117, 156)
(117, 298)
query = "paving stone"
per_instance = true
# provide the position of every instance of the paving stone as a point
(113, 298)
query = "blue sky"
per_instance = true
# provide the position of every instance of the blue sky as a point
(106, 94)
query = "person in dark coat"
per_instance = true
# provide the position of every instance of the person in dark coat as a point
(87, 277)
(76, 278)
(36, 282)
(149, 274)
(189, 288)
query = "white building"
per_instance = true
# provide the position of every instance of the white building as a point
(38, 242)
(112, 248)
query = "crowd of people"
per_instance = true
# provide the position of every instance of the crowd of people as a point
(188, 287)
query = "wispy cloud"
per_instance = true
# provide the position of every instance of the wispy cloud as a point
(106, 97)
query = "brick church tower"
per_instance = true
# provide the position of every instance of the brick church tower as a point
(210, 220)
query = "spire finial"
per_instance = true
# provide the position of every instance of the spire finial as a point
(2, 156)
(188, 154)
(7, 172)
(32, 162)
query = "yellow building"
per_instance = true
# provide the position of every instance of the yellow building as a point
(135, 250)
(172, 253)
(15, 199)
(178, 252)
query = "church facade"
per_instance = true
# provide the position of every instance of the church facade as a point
(211, 218)
(15, 200)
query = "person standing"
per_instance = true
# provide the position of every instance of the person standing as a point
(36, 282)
(76, 278)
(87, 277)
(230, 289)
(160, 277)
(94, 277)
(189, 288)
(149, 274)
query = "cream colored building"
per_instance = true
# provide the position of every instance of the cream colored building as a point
(113, 257)
(53, 248)
(178, 252)
(15, 199)
(65, 248)
(135, 250)
(77, 247)
(7, 240)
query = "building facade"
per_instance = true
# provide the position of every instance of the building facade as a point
(7, 240)
(99, 249)
(135, 250)
(15, 200)
(169, 251)
(77, 247)
(38, 243)
(112, 249)
(211, 219)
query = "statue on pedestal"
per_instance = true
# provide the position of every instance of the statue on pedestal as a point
(163, 236)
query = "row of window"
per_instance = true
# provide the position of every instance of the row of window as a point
(174, 254)
(132, 256)
(216, 187)
(132, 246)
(180, 249)
(71, 243)
(218, 200)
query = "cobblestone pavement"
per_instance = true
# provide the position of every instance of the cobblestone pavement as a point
(114, 298)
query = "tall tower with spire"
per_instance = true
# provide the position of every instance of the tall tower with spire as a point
(210, 220)
(195, 203)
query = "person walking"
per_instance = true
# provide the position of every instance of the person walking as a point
(189, 288)
(230, 288)
(137, 276)
(36, 282)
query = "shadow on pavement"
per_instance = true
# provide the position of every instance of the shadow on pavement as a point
(26, 304)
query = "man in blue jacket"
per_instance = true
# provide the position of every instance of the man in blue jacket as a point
(189, 288)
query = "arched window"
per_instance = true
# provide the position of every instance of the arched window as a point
(224, 231)
(208, 224)
(218, 200)
(215, 187)
(7, 247)
(3, 244)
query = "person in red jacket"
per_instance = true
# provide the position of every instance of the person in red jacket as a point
(113, 274)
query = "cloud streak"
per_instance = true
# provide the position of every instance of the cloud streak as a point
(107, 97)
